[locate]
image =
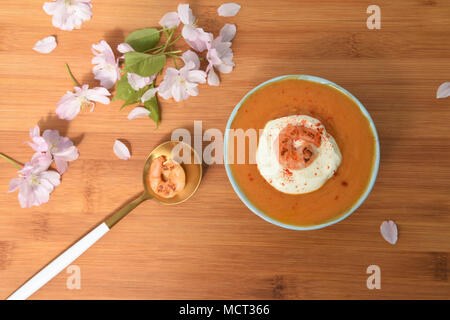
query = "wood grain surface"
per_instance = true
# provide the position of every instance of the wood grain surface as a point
(212, 246)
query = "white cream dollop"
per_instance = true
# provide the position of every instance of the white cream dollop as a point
(323, 166)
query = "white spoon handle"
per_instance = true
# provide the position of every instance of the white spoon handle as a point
(59, 264)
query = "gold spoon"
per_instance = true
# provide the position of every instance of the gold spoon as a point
(193, 171)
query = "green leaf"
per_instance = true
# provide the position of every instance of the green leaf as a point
(144, 64)
(153, 106)
(143, 40)
(126, 93)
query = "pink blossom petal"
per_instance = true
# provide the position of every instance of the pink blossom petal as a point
(45, 45)
(121, 150)
(138, 112)
(191, 56)
(61, 165)
(26, 196)
(52, 176)
(150, 93)
(389, 231)
(124, 48)
(51, 136)
(170, 20)
(67, 154)
(14, 184)
(228, 32)
(443, 90)
(189, 33)
(98, 94)
(185, 14)
(35, 132)
(213, 78)
(196, 76)
(39, 144)
(137, 82)
(213, 57)
(228, 9)
(42, 160)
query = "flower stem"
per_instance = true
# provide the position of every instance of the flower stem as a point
(168, 42)
(157, 48)
(172, 52)
(15, 164)
(75, 82)
(176, 39)
(174, 55)
(169, 37)
(175, 62)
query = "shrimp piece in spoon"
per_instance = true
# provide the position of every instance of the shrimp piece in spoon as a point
(167, 177)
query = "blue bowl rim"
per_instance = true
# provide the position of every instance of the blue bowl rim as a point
(257, 211)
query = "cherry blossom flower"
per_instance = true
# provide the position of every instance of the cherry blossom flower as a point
(197, 38)
(443, 90)
(35, 183)
(228, 9)
(137, 82)
(72, 102)
(53, 146)
(138, 112)
(180, 84)
(107, 66)
(121, 150)
(170, 20)
(45, 45)
(68, 14)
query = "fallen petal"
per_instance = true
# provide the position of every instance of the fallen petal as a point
(389, 231)
(138, 112)
(45, 45)
(121, 150)
(443, 90)
(228, 9)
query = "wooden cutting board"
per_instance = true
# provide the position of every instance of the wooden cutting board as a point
(212, 246)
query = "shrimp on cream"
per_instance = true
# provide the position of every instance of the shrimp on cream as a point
(296, 155)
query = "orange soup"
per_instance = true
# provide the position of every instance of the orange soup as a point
(341, 117)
